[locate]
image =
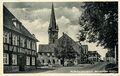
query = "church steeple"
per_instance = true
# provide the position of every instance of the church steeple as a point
(52, 19)
(53, 28)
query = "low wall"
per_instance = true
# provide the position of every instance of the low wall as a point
(11, 69)
(28, 68)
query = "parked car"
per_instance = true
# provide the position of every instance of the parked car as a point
(70, 63)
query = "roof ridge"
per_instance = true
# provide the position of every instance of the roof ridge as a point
(21, 29)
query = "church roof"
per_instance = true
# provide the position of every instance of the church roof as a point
(46, 48)
(8, 23)
(64, 38)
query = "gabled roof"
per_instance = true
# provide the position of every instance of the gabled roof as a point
(65, 37)
(8, 23)
(46, 48)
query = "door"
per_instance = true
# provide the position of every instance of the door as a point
(22, 63)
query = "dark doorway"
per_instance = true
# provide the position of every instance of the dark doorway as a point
(62, 62)
(22, 63)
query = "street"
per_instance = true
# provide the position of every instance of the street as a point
(98, 67)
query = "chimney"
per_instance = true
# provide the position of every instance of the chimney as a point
(33, 35)
(63, 33)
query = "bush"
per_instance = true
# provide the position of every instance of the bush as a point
(111, 67)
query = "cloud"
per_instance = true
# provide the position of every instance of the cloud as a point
(41, 5)
(25, 14)
(39, 28)
(72, 14)
(72, 31)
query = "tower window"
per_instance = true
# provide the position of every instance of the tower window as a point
(43, 61)
(53, 40)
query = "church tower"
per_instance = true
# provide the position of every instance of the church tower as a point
(53, 28)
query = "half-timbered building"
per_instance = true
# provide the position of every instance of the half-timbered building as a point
(19, 45)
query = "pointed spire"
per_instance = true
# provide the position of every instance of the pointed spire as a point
(52, 19)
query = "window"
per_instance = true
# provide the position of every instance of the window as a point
(14, 48)
(40, 53)
(6, 37)
(22, 42)
(28, 44)
(15, 23)
(53, 40)
(5, 58)
(33, 60)
(5, 47)
(43, 54)
(43, 61)
(48, 54)
(27, 60)
(14, 59)
(49, 62)
(33, 45)
(14, 39)
(52, 54)
(53, 61)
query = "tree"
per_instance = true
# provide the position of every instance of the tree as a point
(64, 50)
(100, 21)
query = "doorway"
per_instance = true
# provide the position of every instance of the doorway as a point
(22, 63)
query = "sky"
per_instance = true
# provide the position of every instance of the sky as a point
(35, 16)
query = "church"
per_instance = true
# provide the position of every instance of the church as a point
(47, 52)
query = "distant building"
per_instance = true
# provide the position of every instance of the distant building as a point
(85, 49)
(84, 53)
(46, 53)
(19, 45)
(94, 56)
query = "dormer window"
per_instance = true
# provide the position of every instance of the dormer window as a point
(16, 23)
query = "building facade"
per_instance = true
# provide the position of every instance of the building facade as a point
(94, 56)
(46, 55)
(46, 52)
(19, 45)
